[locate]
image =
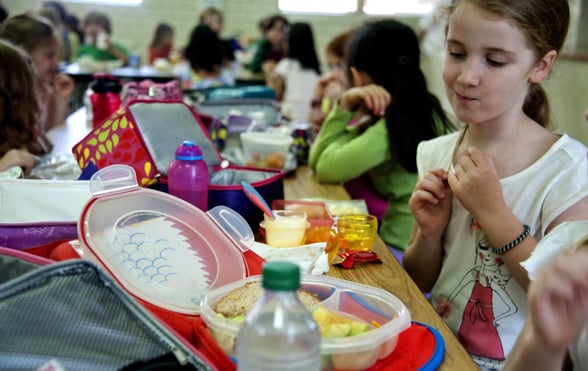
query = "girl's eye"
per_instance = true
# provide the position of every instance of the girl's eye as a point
(456, 55)
(495, 63)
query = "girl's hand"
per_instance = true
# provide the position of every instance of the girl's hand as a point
(64, 86)
(558, 300)
(372, 98)
(322, 83)
(430, 203)
(17, 157)
(476, 184)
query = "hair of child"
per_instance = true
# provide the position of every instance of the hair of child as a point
(301, 46)
(28, 31)
(204, 49)
(97, 18)
(19, 108)
(338, 44)
(161, 31)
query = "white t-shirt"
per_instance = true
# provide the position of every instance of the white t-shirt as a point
(486, 306)
(299, 88)
(565, 236)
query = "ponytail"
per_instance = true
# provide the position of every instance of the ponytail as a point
(536, 105)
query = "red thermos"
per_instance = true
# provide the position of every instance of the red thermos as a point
(105, 97)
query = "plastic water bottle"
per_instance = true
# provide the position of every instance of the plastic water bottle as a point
(279, 332)
(188, 175)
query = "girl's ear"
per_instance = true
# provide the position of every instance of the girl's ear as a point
(543, 67)
(359, 78)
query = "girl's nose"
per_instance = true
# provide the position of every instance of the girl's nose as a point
(470, 72)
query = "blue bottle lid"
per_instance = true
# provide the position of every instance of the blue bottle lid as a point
(188, 151)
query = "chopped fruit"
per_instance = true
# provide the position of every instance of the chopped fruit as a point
(334, 325)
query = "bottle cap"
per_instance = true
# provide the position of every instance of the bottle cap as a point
(104, 83)
(188, 151)
(281, 276)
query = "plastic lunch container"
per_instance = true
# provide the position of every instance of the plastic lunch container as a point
(160, 248)
(266, 150)
(370, 304)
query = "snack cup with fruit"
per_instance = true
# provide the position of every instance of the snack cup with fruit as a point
(266, 149)
(359, 324)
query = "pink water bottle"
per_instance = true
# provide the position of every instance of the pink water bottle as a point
(188, 175)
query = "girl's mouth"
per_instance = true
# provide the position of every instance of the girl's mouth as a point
(463, 98)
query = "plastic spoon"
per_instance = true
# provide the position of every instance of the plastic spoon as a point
(257, 199)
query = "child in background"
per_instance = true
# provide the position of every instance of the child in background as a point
(57, 13)
(558, 303)
(162, 43)
(332, 84)
(97, 40)
(205, 70)
(38, 37)
(486, 195)
(18, 110)
(390, 92)
(213, 18)
(271, 47)
(294, 77)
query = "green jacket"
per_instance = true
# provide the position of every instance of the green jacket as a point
(340, 154)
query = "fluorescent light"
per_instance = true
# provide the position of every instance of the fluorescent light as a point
(109, 2)
(387, 7)
(318, 6)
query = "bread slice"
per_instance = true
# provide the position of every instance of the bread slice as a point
(240, 300)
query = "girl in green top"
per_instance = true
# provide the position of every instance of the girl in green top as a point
(97, 43)
(376, 125)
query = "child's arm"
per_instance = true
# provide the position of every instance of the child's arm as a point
(430, 205)
(58, 101)
(558, 310)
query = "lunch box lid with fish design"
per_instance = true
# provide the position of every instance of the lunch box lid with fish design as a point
(160, 248)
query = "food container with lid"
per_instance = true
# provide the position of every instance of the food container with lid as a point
(160, 248)
(385, 315)
(266, 149)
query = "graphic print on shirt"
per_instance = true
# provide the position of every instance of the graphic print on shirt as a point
(488, 303)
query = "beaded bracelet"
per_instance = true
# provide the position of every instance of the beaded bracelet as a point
(514, 242)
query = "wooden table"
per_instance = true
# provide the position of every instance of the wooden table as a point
(389, 275)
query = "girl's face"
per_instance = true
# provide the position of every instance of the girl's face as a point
(214, 22)
(91, 30)
(275, 35)
(45, 60)
(487, 66)
(167, 39)
(337, 68)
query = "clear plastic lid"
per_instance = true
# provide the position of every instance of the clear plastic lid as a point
(159, 247)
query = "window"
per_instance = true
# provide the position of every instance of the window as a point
(371, 7)
(318, 6)
(109, 2)
(387, 7)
